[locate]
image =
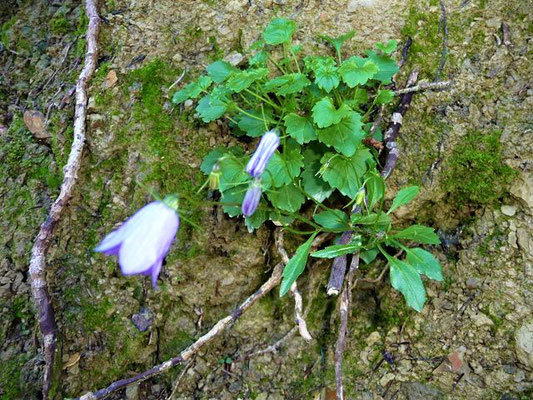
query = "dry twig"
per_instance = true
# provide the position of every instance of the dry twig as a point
(424, 86)
(44, 237)
(346, 300)
(389, 139)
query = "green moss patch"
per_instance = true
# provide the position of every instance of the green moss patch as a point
(475, 173)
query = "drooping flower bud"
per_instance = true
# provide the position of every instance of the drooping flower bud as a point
(266, 148)
(252, 198)
(360, 197)
(214, 177)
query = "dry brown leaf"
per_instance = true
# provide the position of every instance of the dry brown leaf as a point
(72, 360)
(34, 121)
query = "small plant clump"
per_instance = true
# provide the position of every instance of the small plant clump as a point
(311, 168)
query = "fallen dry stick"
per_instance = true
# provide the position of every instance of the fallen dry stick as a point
(424, 86)
(44, 237)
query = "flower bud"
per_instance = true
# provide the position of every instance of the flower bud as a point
(266, 148)
(360, 197)
(251, 198)
(214, 177)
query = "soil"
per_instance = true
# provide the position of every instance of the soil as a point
(474, 338)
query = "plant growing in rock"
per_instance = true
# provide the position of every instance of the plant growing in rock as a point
(322, 176)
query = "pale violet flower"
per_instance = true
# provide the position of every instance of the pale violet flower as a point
(142, 242)
(251, 198)
(266, 148)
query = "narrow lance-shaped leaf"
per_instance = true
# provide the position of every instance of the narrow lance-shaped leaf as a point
(337, 250)
(425, 263)
(403, 197)
(419, 234)
(296, 265)
(406, 280)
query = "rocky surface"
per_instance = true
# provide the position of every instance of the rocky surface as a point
(473, 340)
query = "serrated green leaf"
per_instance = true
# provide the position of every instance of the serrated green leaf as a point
(387, 67)
(279, 30)
(286, 198)
(211, 158)
(338, 249)
(369, 255)
(256, 219)
(419, 234)
(281, 170)
(296, 265)
(371, 219)
(425, 263)
(255, 127)
(337, 42)
(313, 184)
(384, 96)
(220, 70)
(232, 173)
(259, 58)
(233, 196)
(327, 78)
(406, 280)
(332, 219)
(192, 90)
(343, 173)
(210, 108)
(346, 135)
(387, 48)
(241, 80)
(299, 128)
(403, 197)
(325, 114)
(287, 84)
(375, 189)
(357, 71)
(312, 63)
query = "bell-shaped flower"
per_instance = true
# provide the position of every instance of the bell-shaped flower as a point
(252, 198)
(142, 242)
(266, 148)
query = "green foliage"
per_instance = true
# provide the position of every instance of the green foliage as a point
(475, 173)
(321, 108)
(296, 265)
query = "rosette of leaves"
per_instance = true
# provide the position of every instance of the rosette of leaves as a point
(321, 106)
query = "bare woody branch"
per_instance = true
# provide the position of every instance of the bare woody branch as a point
(424, 86)
(346, 300)
(37, 268)
(389, 140)
(338, 269)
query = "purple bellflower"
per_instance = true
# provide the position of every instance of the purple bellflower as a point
(142, 242)
(266, 148)
(251, 198)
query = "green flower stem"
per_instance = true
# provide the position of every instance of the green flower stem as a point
(263, 98)
(246, 100)
(277, 65)
(248, 114)
(295, 61)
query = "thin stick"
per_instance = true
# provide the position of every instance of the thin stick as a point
(194, 348)
(424, 86)
(506, 34)
(180, 377)
(393, 130)
(346, 300)
(44, 237)
(275, 346)
(338, 269)
(444, 53)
